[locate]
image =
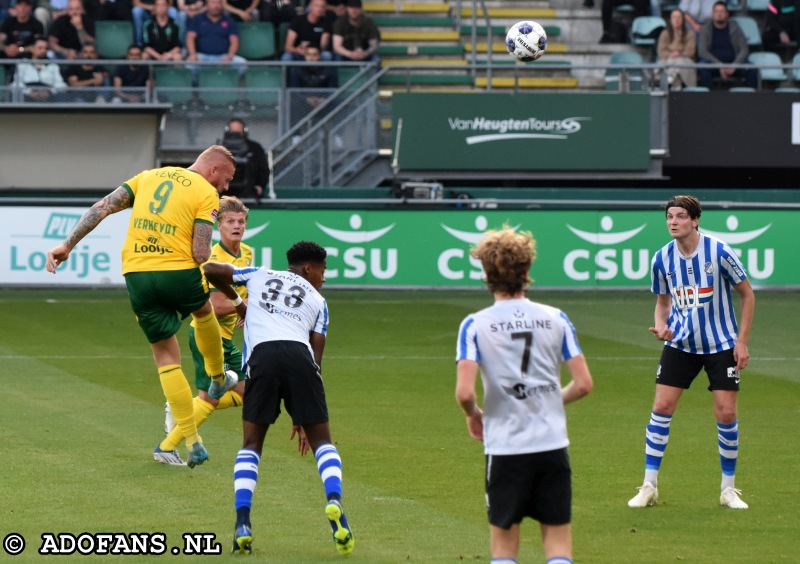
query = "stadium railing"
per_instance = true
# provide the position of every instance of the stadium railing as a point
(328, 143)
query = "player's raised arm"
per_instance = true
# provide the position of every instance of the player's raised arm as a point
(117, 200)
(220, 275)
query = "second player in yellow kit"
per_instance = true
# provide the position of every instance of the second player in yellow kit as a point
(232, 222)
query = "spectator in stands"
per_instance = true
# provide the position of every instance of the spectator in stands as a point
(19, 31)
(677, 45)
(213, 36)
(242, 10)
(130, 79)
(310, 28)
(161, 36)
(722, 41)
(70, 32)
(697, 12)
(48, 12)
(314, 76)
(613, 30)
(143, 11)
(40, 81)
(309, 85)
(355, 36)
(188, 9)
(335, 10)
(119, 10)
(252, 170)
(781, 24)
(280, 11)
(89, 76)
(4, 6)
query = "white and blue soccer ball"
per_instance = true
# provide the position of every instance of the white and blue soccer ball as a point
(526, 41)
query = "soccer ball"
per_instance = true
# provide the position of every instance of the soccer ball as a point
(526, 41)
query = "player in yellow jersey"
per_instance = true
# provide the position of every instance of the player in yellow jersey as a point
(169, 237)
(231, 221)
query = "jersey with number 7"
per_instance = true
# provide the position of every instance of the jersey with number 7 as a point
(520, 346)
(167, 202)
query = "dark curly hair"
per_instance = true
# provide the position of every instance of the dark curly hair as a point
(303, 252)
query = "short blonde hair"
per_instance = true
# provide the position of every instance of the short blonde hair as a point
(214, 153)
(231, 204)
(506, 257)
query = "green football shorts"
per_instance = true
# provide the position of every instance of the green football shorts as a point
(233, 361)
(161, 300)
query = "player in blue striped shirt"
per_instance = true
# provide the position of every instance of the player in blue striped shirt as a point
(693, 276)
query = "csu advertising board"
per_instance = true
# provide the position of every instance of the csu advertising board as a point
(512, 131)
(575, 249)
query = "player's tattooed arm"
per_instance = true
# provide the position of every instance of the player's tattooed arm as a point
(117, 200)
(201, 242)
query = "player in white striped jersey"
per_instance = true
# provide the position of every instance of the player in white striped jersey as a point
(284, 338)
(518, 346)
(694, 277)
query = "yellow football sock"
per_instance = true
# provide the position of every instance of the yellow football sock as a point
(179, 395)
(209, 343)
(202, 409)
(230, 399)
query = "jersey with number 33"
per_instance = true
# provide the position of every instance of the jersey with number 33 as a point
(282, 306)
(520, 346)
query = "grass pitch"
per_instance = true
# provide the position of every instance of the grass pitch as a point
(83, 411)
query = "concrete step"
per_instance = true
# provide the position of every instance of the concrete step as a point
(406, 7)
(516, 14)
(539, 82)
(419, 35)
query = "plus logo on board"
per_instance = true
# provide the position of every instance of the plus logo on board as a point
(456, 264)
(358, 257)
(758, 267)
(606, 263)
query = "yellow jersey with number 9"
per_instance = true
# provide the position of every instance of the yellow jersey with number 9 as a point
(167, 202)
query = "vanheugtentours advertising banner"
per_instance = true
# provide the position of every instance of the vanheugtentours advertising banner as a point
(522, 131)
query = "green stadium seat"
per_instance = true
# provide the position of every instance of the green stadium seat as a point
(283, 31)
(113, 38)
(636, 80)
(4, 91)
(768, 59)
(750, 30)
(218, 85)
(262, 86)
(757, 5)
(173, 84)
(796, 67)
(645, 29)
(256, 41)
